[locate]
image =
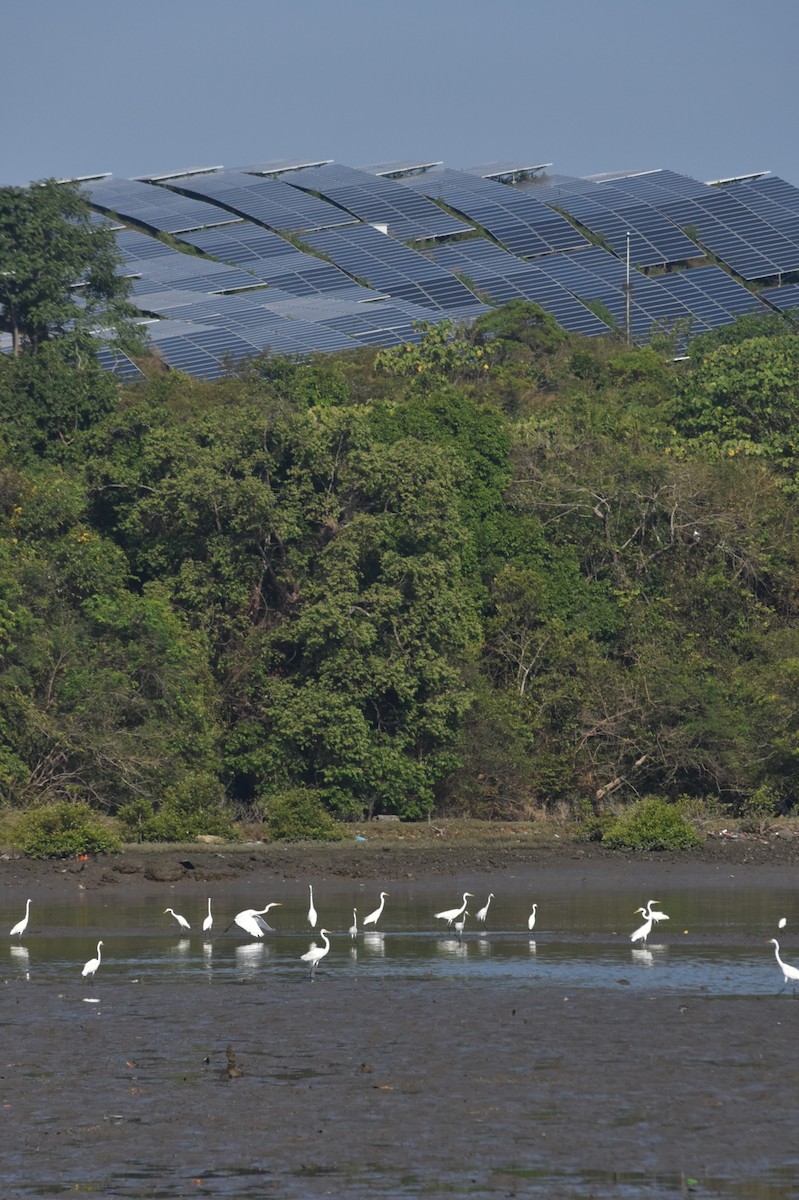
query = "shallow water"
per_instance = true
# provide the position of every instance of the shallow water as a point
(713, 942)
(417, 1064)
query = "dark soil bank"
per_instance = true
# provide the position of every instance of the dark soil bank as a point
(407, 1087)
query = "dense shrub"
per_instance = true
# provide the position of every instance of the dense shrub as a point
(191, 808)
(652, 824)
(64, 830)
(299, 815)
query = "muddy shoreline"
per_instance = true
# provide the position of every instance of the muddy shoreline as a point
(400, 1088)
(775, 858)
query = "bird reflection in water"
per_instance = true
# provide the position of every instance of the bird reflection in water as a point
(250, 956)
(375, 943)
(20, 956)
(531, 946)
(642, 956)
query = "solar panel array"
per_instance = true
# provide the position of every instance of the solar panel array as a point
(611, 214)
(730, 221)
(501, 277)
(238, 287)
(272, 259)
(378, 200)
(516, 219)
(388, 266)
(153, 207)
(270, 202)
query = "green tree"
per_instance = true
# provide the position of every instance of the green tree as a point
(58, 268)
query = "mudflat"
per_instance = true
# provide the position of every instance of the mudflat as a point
(397, 1087)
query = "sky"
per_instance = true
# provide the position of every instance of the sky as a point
(705, 87)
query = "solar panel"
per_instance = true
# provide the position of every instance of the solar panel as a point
(388, 266)
(502, 277)
(710, 294)
(152, 206)
(271, 258)
(783, 298)
(516, 219)
(270, 202)
(379, 200)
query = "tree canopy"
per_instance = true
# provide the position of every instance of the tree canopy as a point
(58, 268)
(496, 569)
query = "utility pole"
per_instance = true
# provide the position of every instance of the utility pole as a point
(628, 298)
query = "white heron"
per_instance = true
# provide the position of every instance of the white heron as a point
(316, 953)
(375, 916)
(90, 968)
(783, 921)
(451, 914)
(789, 974)
(483, 913)
(251, 920)
(655, 913)
(459, 925)
(312, 915)
(182, 922)
(22, 925)
(208, 923)
(531, 919)
(353, 929)
(643, 931)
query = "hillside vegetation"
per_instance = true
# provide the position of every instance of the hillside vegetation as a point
(501, 570)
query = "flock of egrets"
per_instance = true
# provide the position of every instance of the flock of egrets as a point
(252, 922)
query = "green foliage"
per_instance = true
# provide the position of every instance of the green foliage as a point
(189, 809)
(524, 323)
(298, 815)
(58, 269)
(743, 399)
(652, 824)
(64, 830)
(441, 356)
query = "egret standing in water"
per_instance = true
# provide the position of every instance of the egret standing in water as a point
(22, 925)
(353, 929)
(643, 931)
(451, 914)
(459, 925)
(312, 917)
(90, 968)
(531, 919)
(790, 974)
(316, 953)
(483, 913)
(251, 920)
(375, 916)
(208, 923)
(182, 922)
(653, 913)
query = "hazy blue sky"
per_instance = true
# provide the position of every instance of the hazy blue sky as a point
(707, 87)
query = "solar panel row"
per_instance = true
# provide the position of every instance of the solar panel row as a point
(378, 200)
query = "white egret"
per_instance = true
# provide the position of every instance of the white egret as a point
(531, 919)
(459, 924)
(654, 913)
(91, 966)
(182, 922)
(22, 925)
(312, 916)
(375, 916)
(208, 923)
(790, 974)
(316, 953)
(451, 914)
(353, 930)
(250, 920)
(783, 921)
(483, 913)
(642, 933)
